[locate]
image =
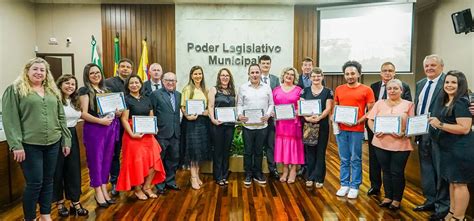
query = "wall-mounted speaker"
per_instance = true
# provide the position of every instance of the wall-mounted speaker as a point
(462, 21)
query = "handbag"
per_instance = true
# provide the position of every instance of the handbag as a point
(310, 133)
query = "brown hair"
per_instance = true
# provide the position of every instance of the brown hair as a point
(74, 98)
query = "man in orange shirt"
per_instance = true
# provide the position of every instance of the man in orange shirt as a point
(349, 139)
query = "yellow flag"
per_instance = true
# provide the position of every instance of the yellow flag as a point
(143, 67)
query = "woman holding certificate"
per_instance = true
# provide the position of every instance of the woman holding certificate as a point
(141, 165)
(289, 148)
(387, 120)
(222, 97)
(451, 128)
(35, 128)
(100, 133)
(67, 178)
(315, 155)
(193, 106)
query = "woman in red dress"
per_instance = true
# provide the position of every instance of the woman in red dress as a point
(141, 165)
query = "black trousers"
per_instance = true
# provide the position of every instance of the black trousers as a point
(67, 178)
(435, 189)
(253, 150)
(393, 166)
(222, 139)
(170, 158)
(115, 168)
(315, 156)
(375, 170)
(38, 169)
(270, 145)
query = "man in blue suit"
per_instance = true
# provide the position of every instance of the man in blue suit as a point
(166, 109)
(435, 189)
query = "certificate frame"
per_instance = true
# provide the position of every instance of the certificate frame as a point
(354, 121)
(399, 124)
(216, 111)
(300, 109)
(101, 110)
(195, 100)
(137, 130)
(283, 106)
(426, 131)
(254, 123)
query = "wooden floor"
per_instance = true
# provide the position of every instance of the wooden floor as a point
(273, 201)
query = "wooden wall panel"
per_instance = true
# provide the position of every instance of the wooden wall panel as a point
(306, 41)
(134, 23)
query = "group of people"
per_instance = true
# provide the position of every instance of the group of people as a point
(40, 118)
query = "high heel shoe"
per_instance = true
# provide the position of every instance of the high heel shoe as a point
(149, 193)
(291, 178)
(78, 211)
(62, 210)
(393, 207)
(111, 201)
(385, 204)
(103, 205)
(284, 178)
(195, 183)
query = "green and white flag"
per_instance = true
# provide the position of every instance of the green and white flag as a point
(95, 54)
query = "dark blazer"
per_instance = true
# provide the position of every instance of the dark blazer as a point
(274, 81)
(301, 84)
(115, 84)
(419, 86)
(406, 90)
(147, 88)
(168, 120)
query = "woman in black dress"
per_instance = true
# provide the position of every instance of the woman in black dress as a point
(315, 155)
(451, 128)
(222, 95)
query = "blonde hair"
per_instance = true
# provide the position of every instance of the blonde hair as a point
(285, 70)
(22, 83)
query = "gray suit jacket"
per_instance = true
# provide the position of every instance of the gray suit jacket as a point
(168, 120)
(274, 81)
(146, 89)
(434, 99)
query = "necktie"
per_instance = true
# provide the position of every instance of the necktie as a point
(425, 97)
(156, 86)
(384, 92)
(172, 101)
(265, 80)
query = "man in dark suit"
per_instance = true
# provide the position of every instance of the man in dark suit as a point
(265, 63)
(116, 84)
(166, 109)
(305, 77)
(387, 73)
(435, 189)
(154, 83)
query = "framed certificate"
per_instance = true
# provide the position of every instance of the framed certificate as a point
(225, 114)
(417, 125)
(284, 111)
(309, 107)
(110, 102)
(144, 125)
(195, 107)
(254, 116)
(387, 124)
(345, 114)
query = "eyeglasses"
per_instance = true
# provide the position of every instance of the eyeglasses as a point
(170, 80)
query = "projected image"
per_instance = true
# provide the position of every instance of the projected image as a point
(371, 35)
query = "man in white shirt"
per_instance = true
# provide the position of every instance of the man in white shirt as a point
(254, 95)
(156, 71)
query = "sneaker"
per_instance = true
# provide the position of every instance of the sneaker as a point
(248, 180)
(342, 191)
(309, 183)
(318, 185)
(353, 193)
(260, 179)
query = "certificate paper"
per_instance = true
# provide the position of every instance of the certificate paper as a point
(110, 102)
(417, 125)
(309, 107)
(387, 124)
(345, 114)
(284, 112)
(254, 116)
(225, 114)
(195, 107)
(144, 125)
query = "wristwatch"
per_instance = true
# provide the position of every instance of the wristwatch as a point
(441, 124)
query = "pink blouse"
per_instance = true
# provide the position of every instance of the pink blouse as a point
(389, 142)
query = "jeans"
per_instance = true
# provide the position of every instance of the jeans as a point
(38, 169)
(350, 153)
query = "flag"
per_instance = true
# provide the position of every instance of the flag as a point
(116, 54)
(95, 58)
(143, 67)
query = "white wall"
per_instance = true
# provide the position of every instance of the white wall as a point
(231, 25)
(69, 20)
(17, 37)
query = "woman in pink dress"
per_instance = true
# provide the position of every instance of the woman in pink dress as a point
(289, 148)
